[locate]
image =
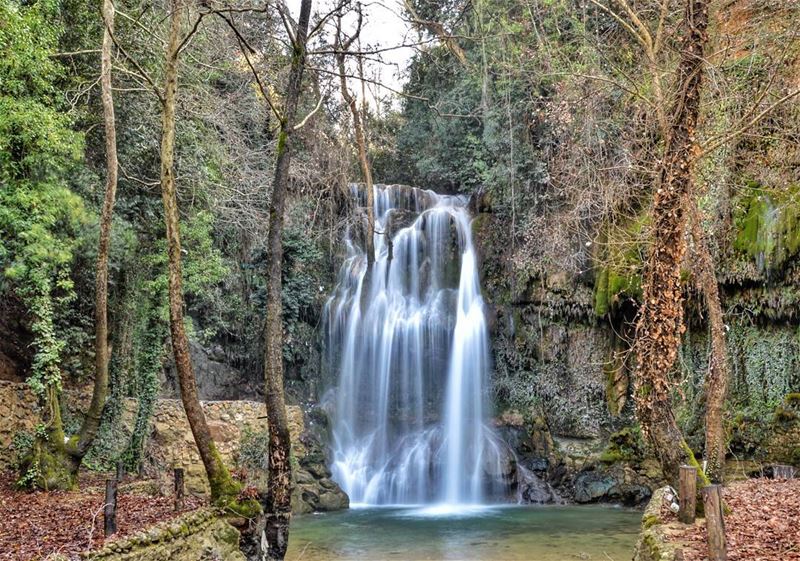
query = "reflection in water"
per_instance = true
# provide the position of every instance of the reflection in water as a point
(509, 533)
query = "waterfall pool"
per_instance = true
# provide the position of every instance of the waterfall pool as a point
(494, 533)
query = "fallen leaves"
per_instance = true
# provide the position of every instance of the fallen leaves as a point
(36, 524)
(762, 524)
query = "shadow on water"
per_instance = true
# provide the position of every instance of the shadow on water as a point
(499, 533)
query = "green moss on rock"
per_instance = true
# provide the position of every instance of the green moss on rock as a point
(618, 264)
(767, 222)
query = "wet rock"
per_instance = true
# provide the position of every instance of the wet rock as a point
(314, 497)
(618, 484)
(333, 500)
(532, 489)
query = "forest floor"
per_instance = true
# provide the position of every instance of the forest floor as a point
(35, 525)
(761, 525)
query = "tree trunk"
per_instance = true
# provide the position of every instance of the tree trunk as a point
(222, 486)
(716, 384)
(91, 422)
(366, 172)
(660, 324)
(276, 502)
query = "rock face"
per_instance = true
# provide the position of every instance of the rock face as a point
(563, 362)
(216, 380)
(618, 483)
(197, 536)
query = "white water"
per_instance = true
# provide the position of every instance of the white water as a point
(409, 345)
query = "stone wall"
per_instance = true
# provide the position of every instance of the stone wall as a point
(197, 536)
(18, 412)
(171, 445)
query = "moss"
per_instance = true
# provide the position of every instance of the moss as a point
(48, 468)
(792, 399)
(784, 416)
(601, 292)
(623, 446)
(649, 520)
(692, 461)
(243, 508)
(767, 222)
(618, 264)
(226, 493)
(611, 456)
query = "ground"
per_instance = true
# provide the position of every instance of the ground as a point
(761, 525)
(36, 525)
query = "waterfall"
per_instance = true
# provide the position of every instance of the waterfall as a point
(409, 344)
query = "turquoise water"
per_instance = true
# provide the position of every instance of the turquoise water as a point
(508, 533)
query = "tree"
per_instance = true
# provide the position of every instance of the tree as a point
(41, 219)
(438, 30)
(278, 503)
(660, 323)
(718, 374)
(268, 538)
(341, 50)
(223, 488)
(91, 422)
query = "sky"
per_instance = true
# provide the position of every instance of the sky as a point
(384, 27)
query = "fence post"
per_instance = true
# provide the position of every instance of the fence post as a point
(687, 494)
(110, 508)
(715, 523)
(179, 489)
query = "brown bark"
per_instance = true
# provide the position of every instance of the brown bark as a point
(343, 45)
(91, 422)
(716, 384)
(276, 502)
(660, 324)
(221, 484)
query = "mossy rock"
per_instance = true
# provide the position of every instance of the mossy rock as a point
(618, 264)
(767, 222)
(625, 445)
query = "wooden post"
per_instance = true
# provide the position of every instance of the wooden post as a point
(110, 508)
(715, 523)
(687, 494)
(120, 470)
(178, 489)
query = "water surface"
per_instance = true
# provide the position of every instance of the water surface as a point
(509, 533)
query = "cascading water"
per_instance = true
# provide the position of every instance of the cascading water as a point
(408, 341)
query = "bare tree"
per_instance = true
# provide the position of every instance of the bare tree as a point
(660, 323)
(341, 49)
(223, 488)
(268, 538)
(438, 30)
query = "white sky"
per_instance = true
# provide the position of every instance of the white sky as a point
(384, 27)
